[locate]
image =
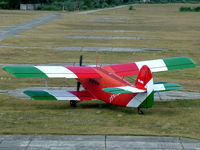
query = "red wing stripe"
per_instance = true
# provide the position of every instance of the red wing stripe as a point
(125, 69)
(82, 95)
(84, 72)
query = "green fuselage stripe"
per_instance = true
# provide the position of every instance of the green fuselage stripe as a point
(115, 90)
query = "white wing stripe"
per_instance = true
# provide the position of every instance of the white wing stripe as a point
(154, 65)
(56, 72)
(62, 95)
(158, 87)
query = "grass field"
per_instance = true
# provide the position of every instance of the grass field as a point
(14, 17)
(179, 118)
(179, 32)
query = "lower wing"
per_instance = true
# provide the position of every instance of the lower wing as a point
(59, 95)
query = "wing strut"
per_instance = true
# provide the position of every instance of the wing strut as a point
(72, 102)
(80, 64)
(46, 83)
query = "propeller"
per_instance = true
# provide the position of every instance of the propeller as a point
(80, 64)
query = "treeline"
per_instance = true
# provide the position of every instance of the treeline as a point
(62, 4)
(173, 1)
(71, 5)
(15, 4)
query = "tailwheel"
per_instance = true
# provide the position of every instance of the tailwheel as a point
(73, 103)
(140, 112)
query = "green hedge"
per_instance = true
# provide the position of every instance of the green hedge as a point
(189, 9)
(4, 5)
(165, 1)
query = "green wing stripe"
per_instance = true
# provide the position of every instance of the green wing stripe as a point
(179, 63)
(39, 95)
(172, 86)
(24, 71)
(165, 86)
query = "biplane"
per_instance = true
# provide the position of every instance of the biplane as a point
(107, 82)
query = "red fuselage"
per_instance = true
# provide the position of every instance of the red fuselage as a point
(108, 79)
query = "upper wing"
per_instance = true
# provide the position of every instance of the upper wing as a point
(155, 65)
(52, 71)
(59, 95)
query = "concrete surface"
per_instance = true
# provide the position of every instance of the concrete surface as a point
(110, 31)
(78, 48)
(110, 49)
(110, 37)
(11, 31)
(97, 10)
(176, 95)
(23, 47)
(99, 142)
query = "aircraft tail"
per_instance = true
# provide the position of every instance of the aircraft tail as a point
(144, 88)
(144, 77)
(144, 80)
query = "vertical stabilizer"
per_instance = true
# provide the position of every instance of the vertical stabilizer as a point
(144, 77)
(144, 80)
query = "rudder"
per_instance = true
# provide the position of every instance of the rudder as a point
(144, 77)
(143, 81)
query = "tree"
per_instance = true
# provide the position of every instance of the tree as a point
(14, 4)
(88, 3)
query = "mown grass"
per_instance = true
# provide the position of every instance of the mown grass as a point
(179, 118)
(14, 17)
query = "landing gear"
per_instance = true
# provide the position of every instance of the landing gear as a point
(73, 103)
(140, 112)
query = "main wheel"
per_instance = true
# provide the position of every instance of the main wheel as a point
(140, 112)
(73, 103)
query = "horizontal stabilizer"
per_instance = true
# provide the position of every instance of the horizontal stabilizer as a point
(52, 71)
(165, 86)
(124, 89)
(58, 95)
